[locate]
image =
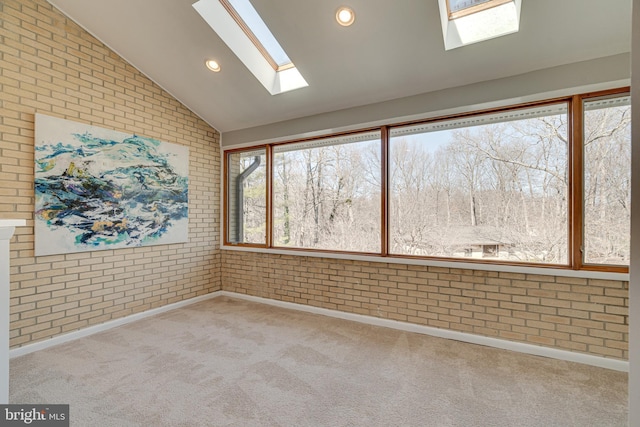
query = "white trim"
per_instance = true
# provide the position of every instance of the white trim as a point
(7, 228)
(586, 359)
(602, 362)
(71, 336)
(13, 222)
(435, 263)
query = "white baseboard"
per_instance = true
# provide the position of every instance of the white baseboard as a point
(602, 362)
(570, 356)
(61, 339)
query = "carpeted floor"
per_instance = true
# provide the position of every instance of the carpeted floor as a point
(228, 362)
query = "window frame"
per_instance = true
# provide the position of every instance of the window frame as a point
(522, 106)
(226, 201)
(383, 144)
(246, 28)
(575, 195)
(578, 186)
(470, 10)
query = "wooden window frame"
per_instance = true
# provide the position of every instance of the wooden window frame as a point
(254, 39)
(474, 9)
(522, 106)
(575, 195)
(578, 177)
(225, 197)
(382, 194)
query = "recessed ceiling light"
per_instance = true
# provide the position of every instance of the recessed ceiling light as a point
(345, 16)
(212, 65)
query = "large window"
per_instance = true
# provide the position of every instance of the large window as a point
(491, 186)
(326, 194)
(543, 184)
(607, 180)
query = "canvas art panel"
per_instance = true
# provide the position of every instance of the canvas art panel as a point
(98, 189)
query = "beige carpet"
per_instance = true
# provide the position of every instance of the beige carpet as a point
(228, 362)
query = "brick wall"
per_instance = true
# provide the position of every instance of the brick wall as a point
(50, 65)
(575, 314)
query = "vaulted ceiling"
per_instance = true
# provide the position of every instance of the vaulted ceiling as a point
(394, 49)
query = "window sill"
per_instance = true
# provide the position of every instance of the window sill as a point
(547, 271)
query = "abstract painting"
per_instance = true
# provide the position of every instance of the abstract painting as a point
(98, 189)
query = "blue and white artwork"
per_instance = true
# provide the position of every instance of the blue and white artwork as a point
(99, 189)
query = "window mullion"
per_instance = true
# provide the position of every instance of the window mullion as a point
(269, 210)
(576, 177)
(384, 191)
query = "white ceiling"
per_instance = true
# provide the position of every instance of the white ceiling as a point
(394, 49)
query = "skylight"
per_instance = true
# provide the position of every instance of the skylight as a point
(249, 20)
(240, 26)
(470, 21)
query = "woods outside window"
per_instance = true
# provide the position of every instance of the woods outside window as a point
(542, 184)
